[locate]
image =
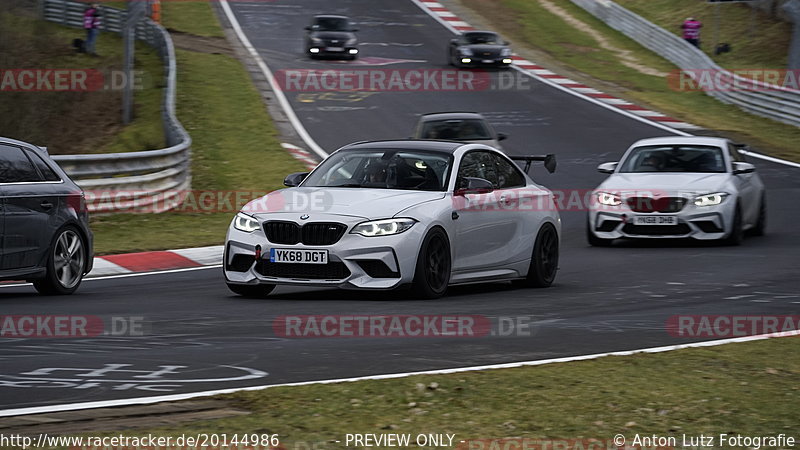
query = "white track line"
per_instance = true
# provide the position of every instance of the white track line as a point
(287, 107)
(191, 395)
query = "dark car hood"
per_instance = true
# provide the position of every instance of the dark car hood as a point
(485, 48)
(339, 35)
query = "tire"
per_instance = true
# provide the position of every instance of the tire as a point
(251, 290)
(544, 260)
(595, 241)
(736, 235)
(760, 229)
(66, 262)
(432, 273)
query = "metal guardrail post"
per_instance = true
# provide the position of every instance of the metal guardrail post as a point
(792, 8)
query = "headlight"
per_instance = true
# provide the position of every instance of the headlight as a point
(384, 227)
(316, 41)
(608, 199)
(350, 42)
(505, 52)
(243, 222)
(710, 199)
(465, 51)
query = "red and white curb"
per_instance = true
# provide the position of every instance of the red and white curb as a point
(454, 23)
(302, 155)
(156, 261)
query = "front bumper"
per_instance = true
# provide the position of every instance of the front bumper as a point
(701, 223)
(340, 52)
(477, 61)
(354, 262)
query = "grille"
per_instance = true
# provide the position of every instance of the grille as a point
(657, 230)
(322, 233)
(377, 269)
(708, 226)
(662, 204)
(314, 233)
(334, 270)
(287, 233)
(241, 263)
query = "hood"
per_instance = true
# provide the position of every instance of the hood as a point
(483, 48)
(343, 36)
(353, 202)
(695, 183)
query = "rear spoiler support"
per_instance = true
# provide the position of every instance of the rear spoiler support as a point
(549, 161)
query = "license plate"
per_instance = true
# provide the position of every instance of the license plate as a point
(488, 61)
(656, 220)
(291, 255)
(335, 49)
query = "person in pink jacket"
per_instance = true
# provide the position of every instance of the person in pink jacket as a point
(691, 31)
(91, 23)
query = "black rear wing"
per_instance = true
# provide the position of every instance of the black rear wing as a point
(549, 161)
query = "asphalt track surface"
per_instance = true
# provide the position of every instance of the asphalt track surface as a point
(604, 299)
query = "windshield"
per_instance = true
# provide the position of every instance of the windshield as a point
(331, 24)
(456, 129)
(383, 169)
(678, 158)
(482, 38)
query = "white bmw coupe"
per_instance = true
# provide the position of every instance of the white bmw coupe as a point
(678, 187)
(390, 214)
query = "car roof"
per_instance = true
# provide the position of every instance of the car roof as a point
(683, 140)
(451, 115)
(408, 144)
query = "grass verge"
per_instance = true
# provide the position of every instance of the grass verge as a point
(529, 24)
(747, 389)
(76, 122)
(235, 147)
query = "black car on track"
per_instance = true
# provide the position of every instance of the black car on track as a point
(331, 36)
(479, 48)
(44, 224)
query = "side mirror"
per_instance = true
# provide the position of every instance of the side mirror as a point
(502, 136)
(453, 41)
(307, 28)
(295, 179)
(608, 167)
(743, 167)
(354, 29)
(507, 43)
(474, 185)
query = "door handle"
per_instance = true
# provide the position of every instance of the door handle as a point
(46, 205)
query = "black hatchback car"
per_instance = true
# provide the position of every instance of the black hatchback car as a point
(44, 223)
(479, 48)
(332, 36)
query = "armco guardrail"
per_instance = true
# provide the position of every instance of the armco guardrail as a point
(152, 179)
(775, 102)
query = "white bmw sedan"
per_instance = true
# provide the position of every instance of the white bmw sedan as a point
(390, 214)
(678, 187)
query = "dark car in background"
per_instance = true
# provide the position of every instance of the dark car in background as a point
(331, 36)
(44, 223)
(479, 48)
(458, 126)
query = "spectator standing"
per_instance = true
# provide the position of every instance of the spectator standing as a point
(91, 23)
(691, 31)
